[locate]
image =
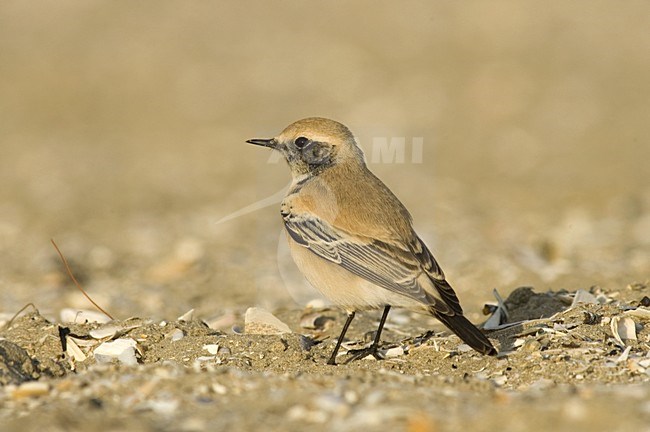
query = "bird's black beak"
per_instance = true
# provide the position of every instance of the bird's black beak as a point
(270, 143)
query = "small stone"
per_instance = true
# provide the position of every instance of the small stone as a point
(122, 350)
(30, 389)
(219, 389)
(176, 335)
(163, 406)
(261, 321)
(394, 352)
(317, 303)
(211, 348)
(583, 297)
(500, 380)
(532, 345)
(16, 366)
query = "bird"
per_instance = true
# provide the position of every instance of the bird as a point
(353, 239)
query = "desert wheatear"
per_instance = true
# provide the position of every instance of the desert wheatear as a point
(353, 239)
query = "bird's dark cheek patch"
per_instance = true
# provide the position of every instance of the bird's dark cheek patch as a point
(316, 154)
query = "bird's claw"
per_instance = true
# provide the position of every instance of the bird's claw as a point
(357, 354)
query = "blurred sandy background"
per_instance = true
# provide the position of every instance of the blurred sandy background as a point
(122, 129)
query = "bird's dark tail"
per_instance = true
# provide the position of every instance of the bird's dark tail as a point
(465, 330)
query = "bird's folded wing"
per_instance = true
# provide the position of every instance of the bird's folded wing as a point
(394, 267)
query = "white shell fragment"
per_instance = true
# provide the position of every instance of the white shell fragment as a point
(106, 332)
(221, 322)
(211, 348)
(624, 356)
(623, 328)
(639, 312)
(187, 316)
(176, 335)
(261, 321)
(122, 350)
(73, 350)
(394, 352)
(69, 315)
(499, 316)
(583, 297)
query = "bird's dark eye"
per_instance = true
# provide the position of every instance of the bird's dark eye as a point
(301, 142)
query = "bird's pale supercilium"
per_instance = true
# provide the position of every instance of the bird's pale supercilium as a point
(353, 239)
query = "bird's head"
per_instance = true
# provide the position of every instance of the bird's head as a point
(314, 144)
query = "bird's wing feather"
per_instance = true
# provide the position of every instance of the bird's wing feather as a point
(391, 266)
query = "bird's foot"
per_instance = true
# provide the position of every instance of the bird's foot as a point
(357, 354)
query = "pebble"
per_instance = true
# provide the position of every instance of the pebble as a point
(122, 350)
(211, 348)
(30, 389)
(500, 380)
(163, 406)
(219, 389)
(394, 352)
(261, 321)
(301, 413)
(176, 335)
(317, 303)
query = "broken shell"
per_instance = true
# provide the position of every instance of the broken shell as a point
(106, 332)
(69, 315)
(584, 297)
(317, 303)
(211, 348)
(73, 350)
(639, 312)
(187, 316)
(221, 322)
(623, 328)
(122, 350)
(261, 321)
(394, 352)
(624, 356)
(315, 321)
(518, 342)
(176, 335)
(499, 316)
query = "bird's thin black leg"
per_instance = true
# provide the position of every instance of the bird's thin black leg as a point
(382, 321)
(332, 360)
(372, 349)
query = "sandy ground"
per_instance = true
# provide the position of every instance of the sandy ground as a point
(122, 137)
